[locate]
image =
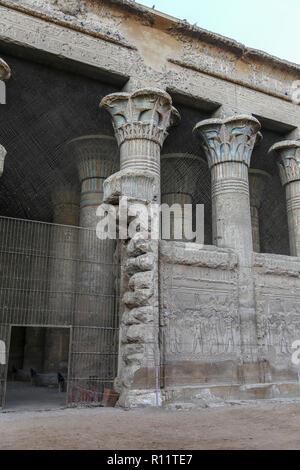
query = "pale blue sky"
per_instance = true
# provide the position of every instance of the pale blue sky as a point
(269, 25)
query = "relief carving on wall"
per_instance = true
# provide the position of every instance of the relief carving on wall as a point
(200, 324)
(278, 324)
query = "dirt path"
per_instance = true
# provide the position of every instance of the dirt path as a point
(268, 426)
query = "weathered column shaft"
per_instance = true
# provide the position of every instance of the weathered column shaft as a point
(97, 158)
(231, 207)
(65, 201)
(140, 120)
(288, 153)
(293, 213)
(140, 154)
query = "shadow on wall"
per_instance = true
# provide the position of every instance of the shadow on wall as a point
(45, 108)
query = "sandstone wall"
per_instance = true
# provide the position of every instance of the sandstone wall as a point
(201, 353)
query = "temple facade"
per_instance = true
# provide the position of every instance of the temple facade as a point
(109, 99)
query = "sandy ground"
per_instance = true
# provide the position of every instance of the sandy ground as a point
(22, 396)
(260, 426)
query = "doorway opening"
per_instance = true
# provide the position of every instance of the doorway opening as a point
(38, 366)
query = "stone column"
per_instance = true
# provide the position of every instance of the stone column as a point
(65, 200)
(96, 157)
(288, 158)
(179, 174)
(228, 144)
(257, 182)
(140, 121)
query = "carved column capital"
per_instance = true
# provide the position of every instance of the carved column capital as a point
(96, 155)
(96, 158)
(288, 153)
(229, 140)
(5, 71)
(145, 114)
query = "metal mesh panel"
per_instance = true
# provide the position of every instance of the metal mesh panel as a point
(184, 169)
(53, 275)
(93, 363)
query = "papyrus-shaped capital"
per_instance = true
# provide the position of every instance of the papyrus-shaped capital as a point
(96, 155)
(229, 140)
(288, 160)
(145, 114)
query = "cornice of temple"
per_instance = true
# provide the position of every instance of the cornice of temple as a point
(152, 17)
(188, 29)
